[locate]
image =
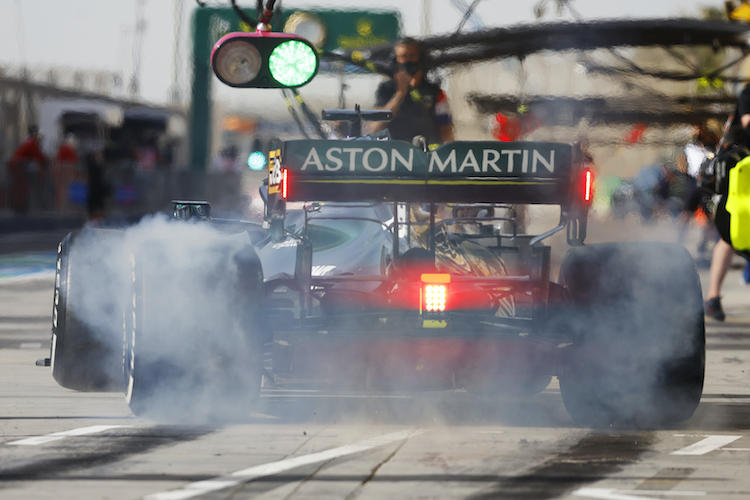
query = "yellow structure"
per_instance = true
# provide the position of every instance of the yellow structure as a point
(738, 205)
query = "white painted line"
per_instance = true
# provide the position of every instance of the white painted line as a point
(263, 415)
(613, 494)
(243, 476)
(667, 493)
(40, 275)
(491, 432)
(55, 436)
(740, 401)
(735, 449)
(710, 443)
(291, 391)
(13, 327)
(30, 345)
(347, 396)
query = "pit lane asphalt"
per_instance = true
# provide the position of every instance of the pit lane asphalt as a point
(455, 447)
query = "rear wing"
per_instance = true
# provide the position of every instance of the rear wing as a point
(515, 172)
(458, 172)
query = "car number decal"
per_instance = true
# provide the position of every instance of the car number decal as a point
(274, 171)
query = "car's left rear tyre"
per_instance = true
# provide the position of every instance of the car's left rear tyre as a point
(85, 353)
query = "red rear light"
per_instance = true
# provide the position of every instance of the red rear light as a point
(435, 297)
(284, 183)
(435, 291)
(588, 183)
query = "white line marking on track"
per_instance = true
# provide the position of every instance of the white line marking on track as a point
(710, 443)
(13, 327)
(347, 396)
(246, 475)
(41, 275)
(613, 494)
(263, 415)
(30, 345)
(742, 400)
(55, 436)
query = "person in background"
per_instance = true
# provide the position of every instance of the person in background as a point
(227, 185)
(28, 169)
(419, 108)
(745, 278)
(721, 260)
(65, 169)
(227, 161)
(146, 156)
(695, 199)
(99, 190)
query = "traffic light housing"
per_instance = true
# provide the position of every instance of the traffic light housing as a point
(264, 60)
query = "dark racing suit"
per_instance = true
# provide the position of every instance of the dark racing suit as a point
(423, 112)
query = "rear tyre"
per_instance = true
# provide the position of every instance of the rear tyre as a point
(639, 353)
(85, 353)
(193, 347)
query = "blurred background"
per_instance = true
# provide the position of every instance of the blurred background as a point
(126, 107)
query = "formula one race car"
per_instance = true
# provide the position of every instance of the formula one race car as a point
(381, 267)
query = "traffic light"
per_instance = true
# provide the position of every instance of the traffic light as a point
(264, 60)
(256, 160)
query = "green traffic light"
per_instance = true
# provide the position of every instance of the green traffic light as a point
(293, 63)
(256, 161)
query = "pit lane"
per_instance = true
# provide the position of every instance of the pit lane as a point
(316, 444)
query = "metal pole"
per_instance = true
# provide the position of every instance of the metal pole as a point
(426, 18)
(176, 94)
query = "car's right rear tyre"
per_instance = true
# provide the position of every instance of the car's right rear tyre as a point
(638, 356)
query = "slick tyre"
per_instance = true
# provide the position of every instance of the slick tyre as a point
(638, 358)
(193, 346)
(84, 355)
